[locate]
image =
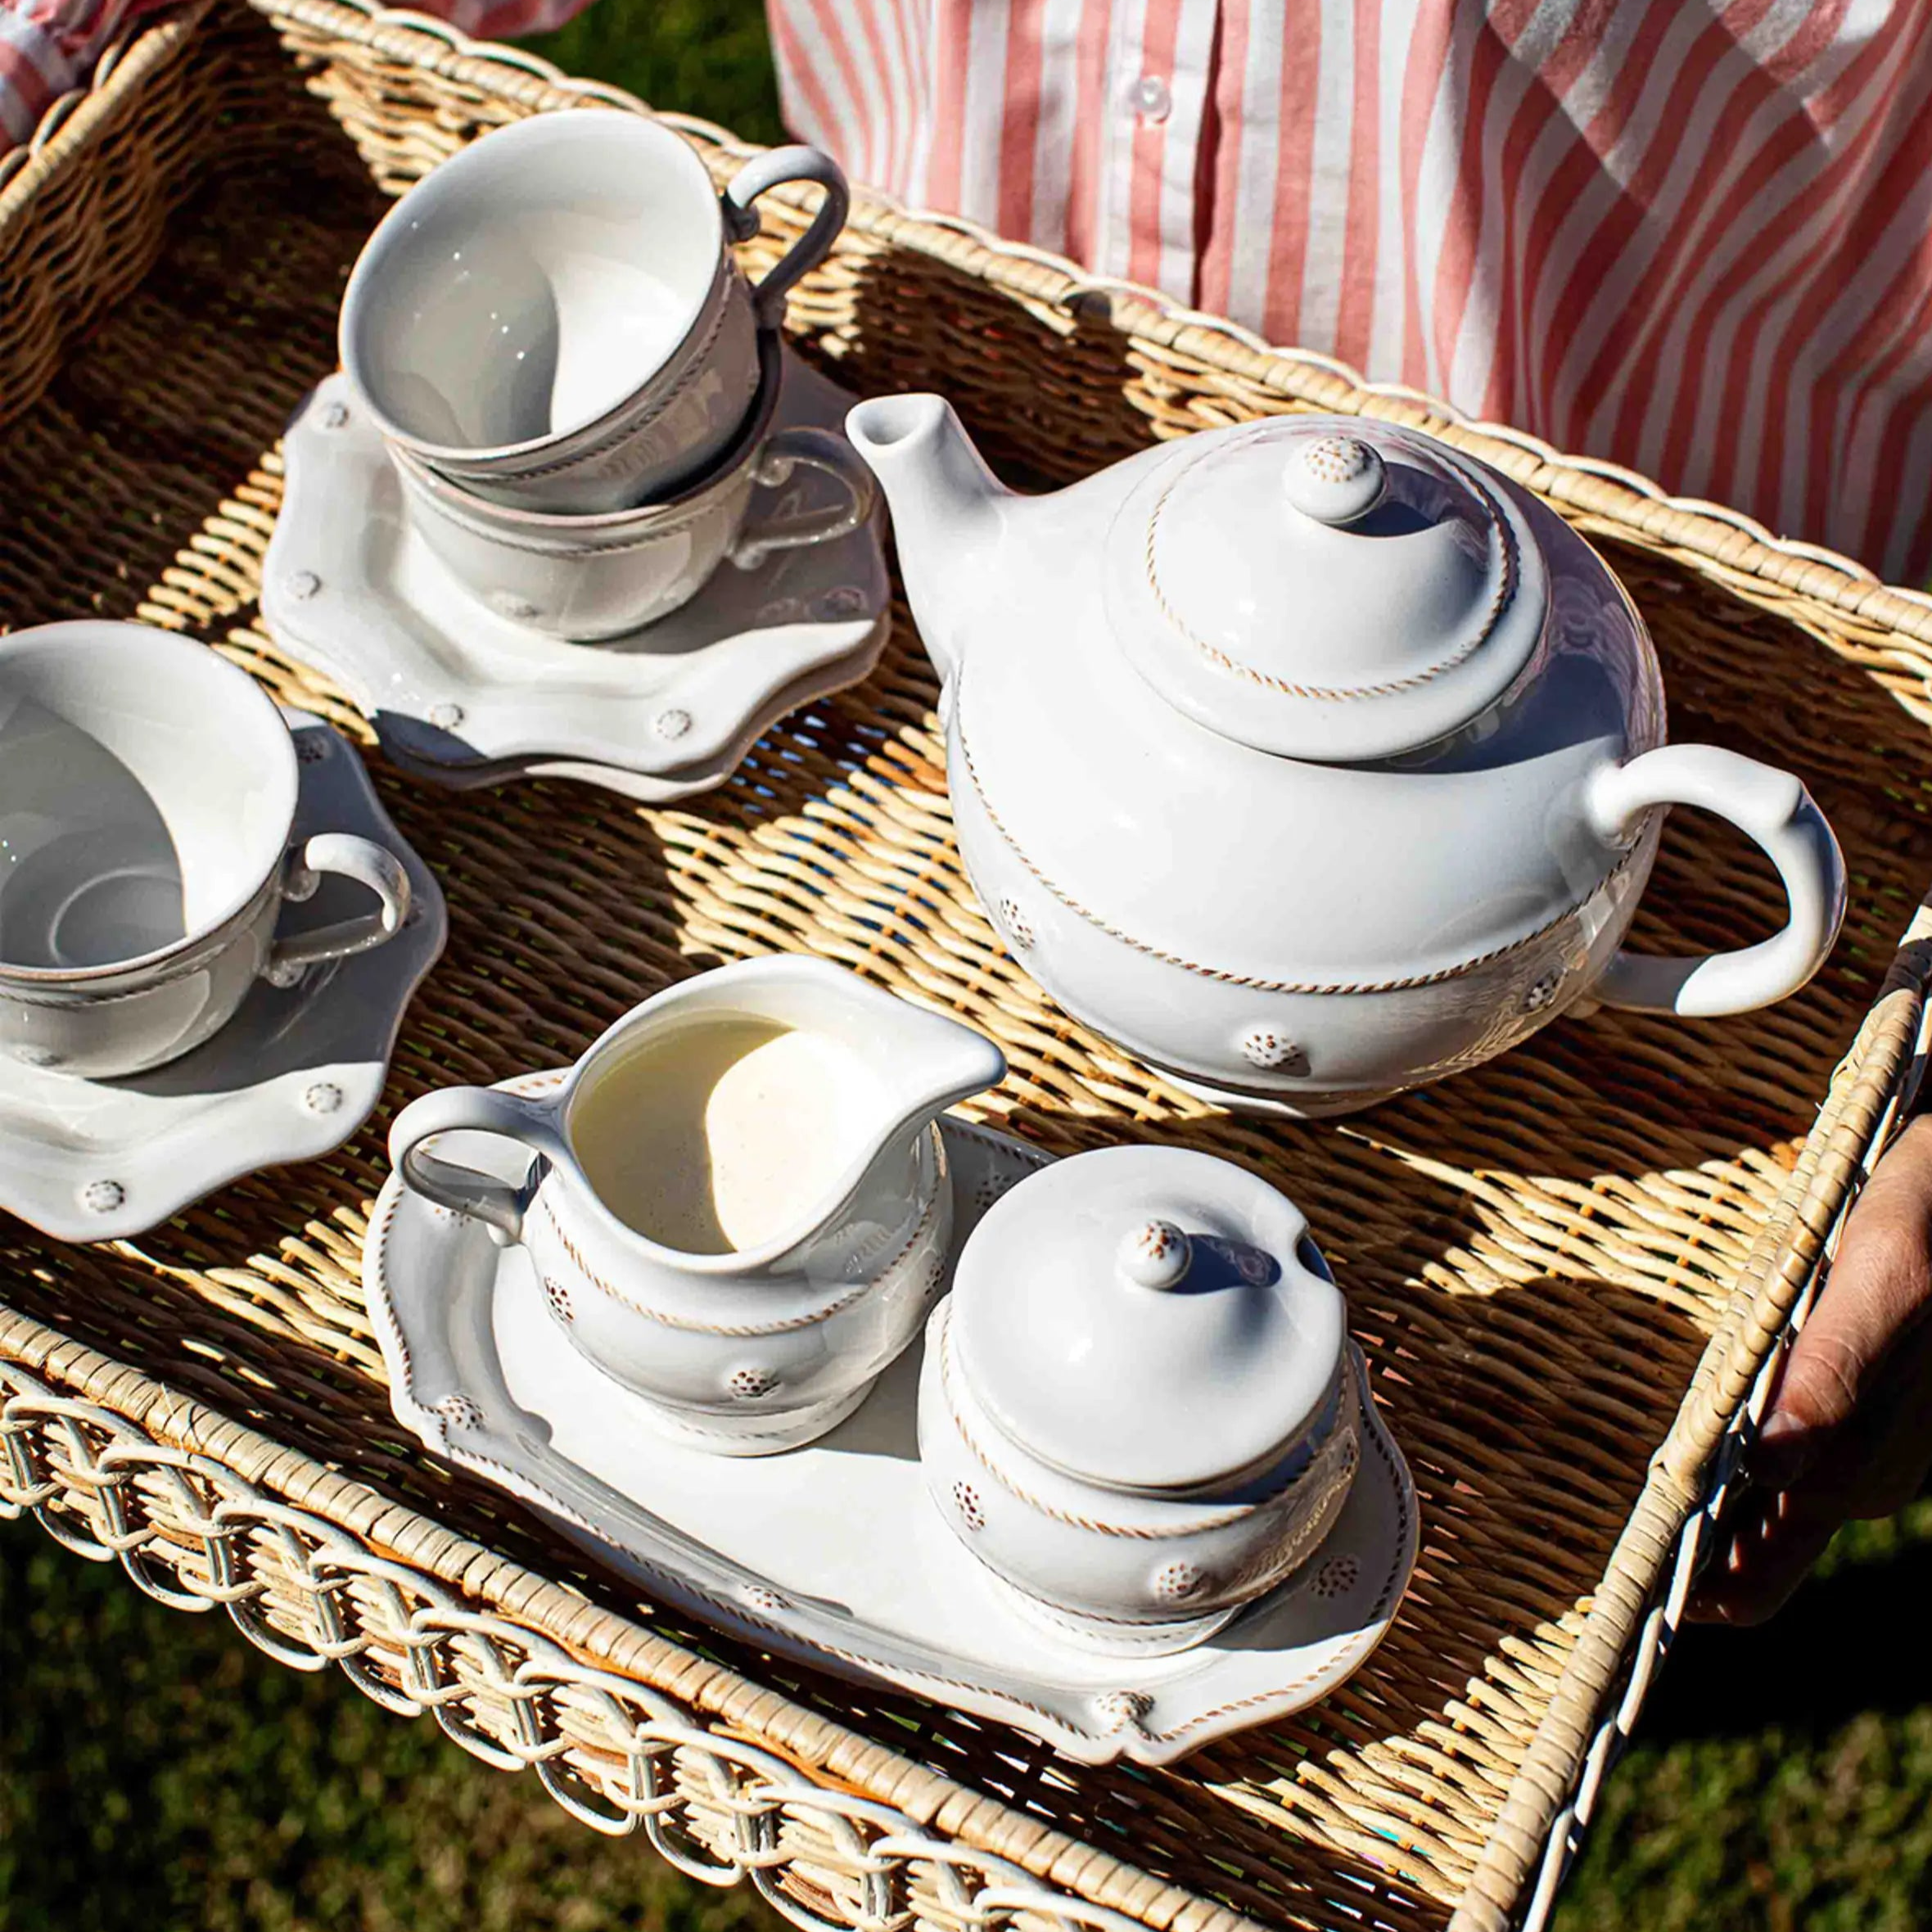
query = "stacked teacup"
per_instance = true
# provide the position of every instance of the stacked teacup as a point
(575, 380)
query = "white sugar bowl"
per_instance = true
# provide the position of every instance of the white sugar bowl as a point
(1139, 1407)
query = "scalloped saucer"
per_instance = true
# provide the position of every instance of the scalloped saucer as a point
(289, 1077)
(833, 1554)
(460, 694)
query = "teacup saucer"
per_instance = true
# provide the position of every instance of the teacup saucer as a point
(291, 1077)
(833, 1554)
(646, 788)
(460, 693)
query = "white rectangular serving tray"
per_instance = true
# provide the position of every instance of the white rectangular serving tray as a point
(833, 1554)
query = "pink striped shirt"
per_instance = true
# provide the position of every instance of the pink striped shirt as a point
(1694, 237)
(48, 48)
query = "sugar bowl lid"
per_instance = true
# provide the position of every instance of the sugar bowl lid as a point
(1325, 587)
(1147, 1319)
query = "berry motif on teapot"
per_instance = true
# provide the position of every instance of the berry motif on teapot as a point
(1016, 925)
(1335, 479)
(749, 1385)
(1177, 1581)
(1272, 1051)
(966, 1501)
(559, 1298)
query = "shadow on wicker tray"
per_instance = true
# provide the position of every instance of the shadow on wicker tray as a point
(1535, 1253)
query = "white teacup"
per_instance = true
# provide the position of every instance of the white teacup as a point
(147, 796)
(589, 578)
(554, 318)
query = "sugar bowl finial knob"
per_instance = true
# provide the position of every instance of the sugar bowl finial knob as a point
(1155, 1254)
(1335, 480)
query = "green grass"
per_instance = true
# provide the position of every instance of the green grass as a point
(706, 57)
(158, 1775)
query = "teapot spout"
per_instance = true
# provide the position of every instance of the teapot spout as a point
(949, 510)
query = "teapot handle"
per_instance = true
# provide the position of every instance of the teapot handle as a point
(1769, 807)
(462, 1190)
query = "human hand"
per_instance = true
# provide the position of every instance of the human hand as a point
(1848, 1431)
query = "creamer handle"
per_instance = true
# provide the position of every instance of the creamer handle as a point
(477, 1110)
(1768, 806)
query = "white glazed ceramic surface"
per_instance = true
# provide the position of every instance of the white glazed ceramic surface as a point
(745, 1351)
(553, 317)
(1453, 852)
(466, 693)
(294, 1073)
(147, 790)
(1137, 1407)
(647, 788)
(588, 578)
(833, 1555)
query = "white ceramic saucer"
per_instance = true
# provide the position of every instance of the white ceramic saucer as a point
(833, 1554)
(289, 1077)
(459, 693)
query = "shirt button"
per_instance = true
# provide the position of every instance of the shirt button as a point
(1151, 99)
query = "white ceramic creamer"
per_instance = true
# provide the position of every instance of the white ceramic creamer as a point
(739, 1205)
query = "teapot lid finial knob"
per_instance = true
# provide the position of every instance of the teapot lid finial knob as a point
(1335, 479)
(1155, 1255)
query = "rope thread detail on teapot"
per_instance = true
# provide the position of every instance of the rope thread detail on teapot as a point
(1254, 983)
(1505, 590)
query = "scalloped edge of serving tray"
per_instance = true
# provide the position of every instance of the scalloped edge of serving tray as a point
(444, 1340)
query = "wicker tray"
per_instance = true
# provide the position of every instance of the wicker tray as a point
(1569, 1268)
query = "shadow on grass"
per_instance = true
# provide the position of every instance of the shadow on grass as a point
(1847, 1643)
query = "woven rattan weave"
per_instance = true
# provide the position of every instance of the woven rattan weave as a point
(1568, 1268)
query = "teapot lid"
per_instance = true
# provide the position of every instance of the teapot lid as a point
(1147, 1319)
(1325, 587)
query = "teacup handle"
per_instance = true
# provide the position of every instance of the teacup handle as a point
(477, 1110)
(1769, 807)
(740, 219)
(361, 859)
(816, 449)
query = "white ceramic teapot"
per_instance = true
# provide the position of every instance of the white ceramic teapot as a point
(1139, 1407)
(1311, 759)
